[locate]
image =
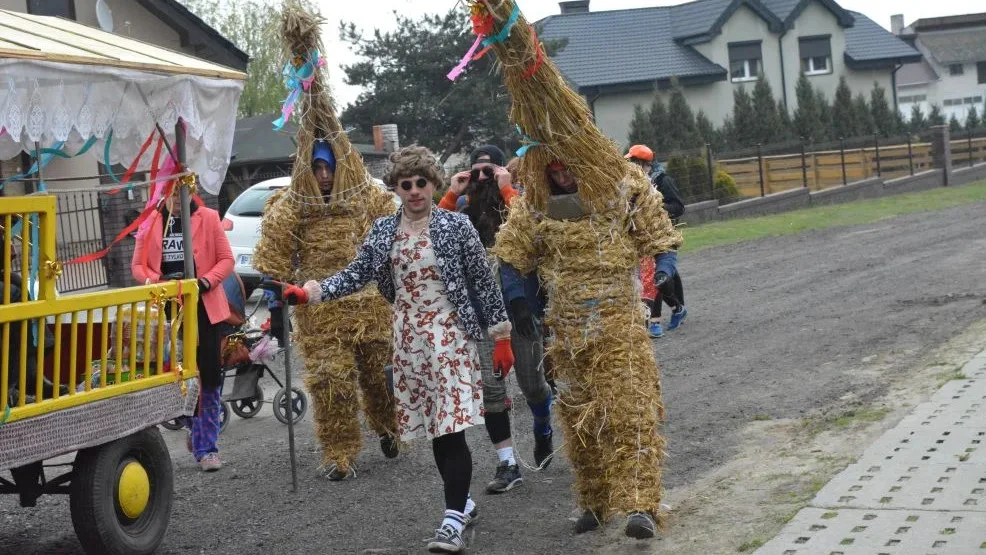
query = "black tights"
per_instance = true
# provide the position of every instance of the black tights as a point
(454, 463)
(671, 293)
(498, 426)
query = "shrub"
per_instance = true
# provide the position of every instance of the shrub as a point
(724, 185)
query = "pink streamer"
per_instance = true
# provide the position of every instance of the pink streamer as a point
(457, 70)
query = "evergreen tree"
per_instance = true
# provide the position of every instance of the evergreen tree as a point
(901, 123)
(843, 117)
(953, 125)
(766, 125)
(641, 131)
(807, 116)
(659, 124)
(864, 119)
(972, 120)
(936, 117)
(744, 119)
(706, 131)
(682, 131)
(917, 123)
(824, 115)
(726, 137)
(784, 122)
(884, 122)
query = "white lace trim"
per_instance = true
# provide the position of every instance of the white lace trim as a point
(46, 102)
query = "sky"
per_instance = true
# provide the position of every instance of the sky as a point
(380, 16)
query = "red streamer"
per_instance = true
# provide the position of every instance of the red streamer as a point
(540, 57)
(133, 165)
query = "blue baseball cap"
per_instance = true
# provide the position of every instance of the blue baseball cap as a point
(322, 150)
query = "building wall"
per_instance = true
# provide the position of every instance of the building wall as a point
(951, 87)
(614, 112)
(743, 25)
(130, 19)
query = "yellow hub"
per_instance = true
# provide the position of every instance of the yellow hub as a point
(134, 489)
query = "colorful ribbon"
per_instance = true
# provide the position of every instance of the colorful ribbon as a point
(527, 142)
(47, 154)
(529, 72)
(298, 74)
(457, 70)
(504, 33)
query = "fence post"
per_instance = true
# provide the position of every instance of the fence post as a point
(712, 178)
(968, 141)
(876, 142)
(842, 156)
(941, 152)
(910, 154)
(760, 166)
(804, 168)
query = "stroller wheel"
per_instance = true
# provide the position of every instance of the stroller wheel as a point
(248, 408)
(173, 425)
(298, 405)
(223, 416)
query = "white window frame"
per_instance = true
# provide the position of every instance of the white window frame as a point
(809, 65)
(747, 77)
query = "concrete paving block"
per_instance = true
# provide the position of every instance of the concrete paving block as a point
(929, 487)
(943, 443)
(880, 532)
(975, 369)
(959, 403)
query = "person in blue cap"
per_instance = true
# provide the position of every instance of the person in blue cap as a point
(345, 345)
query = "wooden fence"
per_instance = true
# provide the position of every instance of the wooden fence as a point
(821, 170)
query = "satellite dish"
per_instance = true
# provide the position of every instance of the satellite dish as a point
(104, 16)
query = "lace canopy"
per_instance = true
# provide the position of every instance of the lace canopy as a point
(48, 102)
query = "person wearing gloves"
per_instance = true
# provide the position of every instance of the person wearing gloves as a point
(159, 255)
(428, 262)
(487, 197)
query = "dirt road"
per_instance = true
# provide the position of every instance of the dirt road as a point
(778, 329)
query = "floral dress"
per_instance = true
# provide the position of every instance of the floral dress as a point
(437, 381)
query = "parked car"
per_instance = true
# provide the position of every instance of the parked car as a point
(242, 225)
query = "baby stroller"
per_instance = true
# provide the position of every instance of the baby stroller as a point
(247, 353)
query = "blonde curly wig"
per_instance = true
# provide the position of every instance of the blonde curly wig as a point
(414, 160)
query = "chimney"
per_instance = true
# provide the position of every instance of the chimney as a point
(897, 23)
(385, 137)
(574, 6)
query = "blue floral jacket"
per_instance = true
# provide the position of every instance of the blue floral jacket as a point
(461, 261)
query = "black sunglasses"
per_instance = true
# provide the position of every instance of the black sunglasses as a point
(487, 171)
(407, 183)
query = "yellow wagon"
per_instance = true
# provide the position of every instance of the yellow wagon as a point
(120, 361)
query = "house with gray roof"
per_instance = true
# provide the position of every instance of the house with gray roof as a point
(619, 59)
(952, 74)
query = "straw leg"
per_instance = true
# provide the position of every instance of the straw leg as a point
(611, 411)
(378, 403)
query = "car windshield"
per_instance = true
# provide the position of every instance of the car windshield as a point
(251, 202)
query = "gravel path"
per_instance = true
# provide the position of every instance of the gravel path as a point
(777, 327)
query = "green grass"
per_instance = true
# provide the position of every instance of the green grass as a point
(815, 425)
(945, 377)
(751, 545)
(824, 217)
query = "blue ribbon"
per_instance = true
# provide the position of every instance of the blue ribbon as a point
(528, 143)
(505, 30)
(47, 154)
(296, 79)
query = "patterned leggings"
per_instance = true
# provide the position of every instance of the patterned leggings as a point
(205, 426)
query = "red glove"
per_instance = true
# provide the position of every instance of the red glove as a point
(294, 295)
(503, 358)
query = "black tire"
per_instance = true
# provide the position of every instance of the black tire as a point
(248, 408)
(223, 416)
(99, 522)
(299, 405)
(173, 425)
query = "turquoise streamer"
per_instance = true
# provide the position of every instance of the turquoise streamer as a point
(47, 154)
(505, 30)
(528, 143)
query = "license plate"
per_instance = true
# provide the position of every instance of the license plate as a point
(245, 259)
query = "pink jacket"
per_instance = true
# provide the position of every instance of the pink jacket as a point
(210, 249)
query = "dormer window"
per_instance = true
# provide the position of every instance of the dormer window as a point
(816, 55)
(745, 61)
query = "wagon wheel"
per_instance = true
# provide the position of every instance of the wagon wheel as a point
(299, 405)
(223, 416)
(173, 425)
(120, 495)
(248, 408)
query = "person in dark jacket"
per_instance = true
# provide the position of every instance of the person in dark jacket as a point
(666, 284)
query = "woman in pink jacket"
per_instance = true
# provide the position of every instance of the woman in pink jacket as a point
(159, 256)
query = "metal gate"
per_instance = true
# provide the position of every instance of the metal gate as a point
(80, 231)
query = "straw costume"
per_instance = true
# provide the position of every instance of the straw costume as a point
(307, 236)
(586, 248)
